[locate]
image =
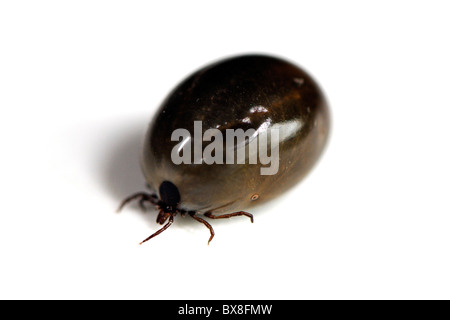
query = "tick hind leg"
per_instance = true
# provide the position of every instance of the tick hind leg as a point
(229, 215)
(211, 230)
(222, 216)
(142, 197)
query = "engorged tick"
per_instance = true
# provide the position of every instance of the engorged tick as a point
(251, 92)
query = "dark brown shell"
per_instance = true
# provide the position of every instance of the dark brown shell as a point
(253, 91)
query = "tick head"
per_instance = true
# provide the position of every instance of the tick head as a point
(170, 196)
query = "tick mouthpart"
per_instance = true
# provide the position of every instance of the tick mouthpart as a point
(168, 209)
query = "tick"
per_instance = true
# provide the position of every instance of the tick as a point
(234, 134)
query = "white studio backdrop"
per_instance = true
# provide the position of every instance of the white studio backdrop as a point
(80, 81)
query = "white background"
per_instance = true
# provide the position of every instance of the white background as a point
(80, 80)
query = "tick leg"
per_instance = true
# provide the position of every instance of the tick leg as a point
(143, 197)
(211, 230)
(160, 230)
(229, 215)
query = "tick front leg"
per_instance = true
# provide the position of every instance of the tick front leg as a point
(168, 224)
(229, 215)
(142, 197)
